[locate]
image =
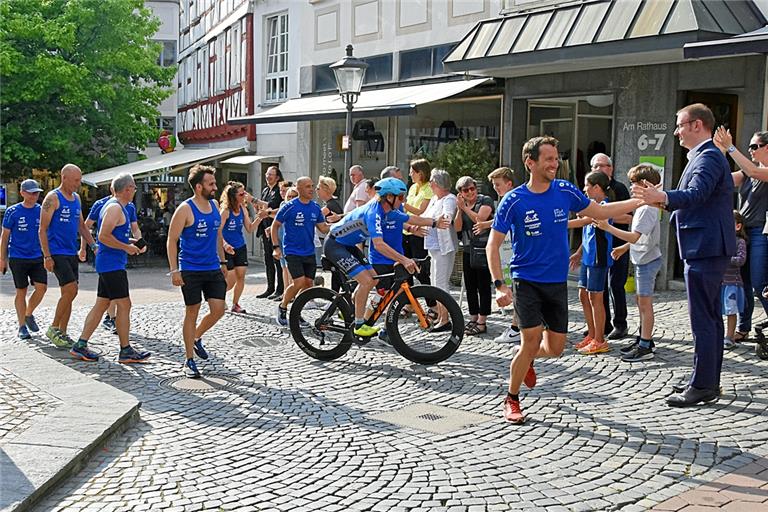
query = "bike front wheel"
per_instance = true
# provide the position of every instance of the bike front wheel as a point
(415, 342)
(320, 321)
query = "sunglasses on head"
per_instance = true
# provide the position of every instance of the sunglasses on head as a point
(755, 147)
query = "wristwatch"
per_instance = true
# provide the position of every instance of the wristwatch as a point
(498, 283)
(731, 148)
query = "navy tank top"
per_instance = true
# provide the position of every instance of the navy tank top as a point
(233, 229)
(109, 259)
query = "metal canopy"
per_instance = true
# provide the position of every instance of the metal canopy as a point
(755, 42)
(598, 29)
(160, 164)
(392, 101)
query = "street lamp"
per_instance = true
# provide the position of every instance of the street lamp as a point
(350, 73)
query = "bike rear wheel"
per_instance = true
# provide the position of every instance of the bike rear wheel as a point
(319, 332)
(416, 343)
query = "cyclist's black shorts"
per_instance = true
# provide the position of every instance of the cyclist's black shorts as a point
(349, 259)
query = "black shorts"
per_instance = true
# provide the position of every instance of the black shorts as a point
(541, 303)
(239, 259)
(384, 268)
(27, 271)
(301, 266)
(113, 285)
(197, 283)
(65, 268)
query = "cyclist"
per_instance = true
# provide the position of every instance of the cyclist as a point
(366, 223)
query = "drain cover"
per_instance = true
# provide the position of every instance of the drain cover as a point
(432, 418)
(206, 384)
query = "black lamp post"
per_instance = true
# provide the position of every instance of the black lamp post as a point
(350, 73)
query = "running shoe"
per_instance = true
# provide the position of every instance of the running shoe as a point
(510, 335)
(366, 331)
(190, 369)
(51, 333)
(512, 411)
(82, 352)
(200, 350)
(383, 336)
(237, 309)
(728, 343)
(31, 324)
(595, 347)
(62, 340)
(131, 355)
(639, 354)
(315, 304)
(530, 376)
(24, 333)
(583, 343)
(108, 323)
(631, 348)
(303, 323)
(282, 316)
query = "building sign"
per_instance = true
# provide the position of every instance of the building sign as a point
(650, 136)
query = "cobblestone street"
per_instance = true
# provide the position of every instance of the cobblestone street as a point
(287, 432)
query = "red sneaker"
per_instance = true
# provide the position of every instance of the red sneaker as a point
(512, 412)
(530, 377)
(583, 343)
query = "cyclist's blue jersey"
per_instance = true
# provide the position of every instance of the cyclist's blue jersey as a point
(392, 229)
(364, 223)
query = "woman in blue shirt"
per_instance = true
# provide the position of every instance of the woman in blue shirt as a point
(235, 216)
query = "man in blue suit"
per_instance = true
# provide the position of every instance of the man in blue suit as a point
(702, 207)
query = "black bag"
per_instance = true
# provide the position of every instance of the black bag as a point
(477, 257)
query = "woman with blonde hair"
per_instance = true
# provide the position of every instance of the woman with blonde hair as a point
(235, 216)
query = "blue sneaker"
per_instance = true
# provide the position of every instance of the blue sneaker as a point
(31, 324)
(83, 353)
(190, 369)
(130, 355)
(200, 350)
(383, 336)
(108, 323)
(282, 316)
(24, 333)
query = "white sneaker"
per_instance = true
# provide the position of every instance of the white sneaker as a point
(315, 304)
(508, 336)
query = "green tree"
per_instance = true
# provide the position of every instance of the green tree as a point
(466, 157)
(80, 82)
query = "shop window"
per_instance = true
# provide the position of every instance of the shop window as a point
(423, 61)
(276, 86)
(379, 69)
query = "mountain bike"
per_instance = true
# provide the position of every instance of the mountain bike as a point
(322, 321)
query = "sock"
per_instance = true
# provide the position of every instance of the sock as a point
(125, 348)
(359, 322)
(513, 397)
(515, 328)
(645, 343)
(81, 343)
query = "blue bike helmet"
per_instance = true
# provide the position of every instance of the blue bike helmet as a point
(392, 186)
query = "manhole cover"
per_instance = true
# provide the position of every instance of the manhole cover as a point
(432, 418)
(206, 384)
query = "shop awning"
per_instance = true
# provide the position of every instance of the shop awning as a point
(249, 159)
(752, 42)
(160, 164)
(601, 33)
(394, 101)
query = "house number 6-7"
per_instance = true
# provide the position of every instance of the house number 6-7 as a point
(655, 140)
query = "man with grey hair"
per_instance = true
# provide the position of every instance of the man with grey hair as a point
(115, 245)
(617, 273)
(357, 197)
(391, 171)
(60, 222)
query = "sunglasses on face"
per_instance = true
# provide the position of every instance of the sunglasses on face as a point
(755, 147)
(469, 189)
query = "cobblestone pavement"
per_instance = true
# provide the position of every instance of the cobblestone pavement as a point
(292, 433)
(20, 401)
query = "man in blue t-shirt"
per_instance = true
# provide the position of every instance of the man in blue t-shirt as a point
(366, 223)
(20, 250)
(93, 219)
(299, 217)
(536, 215)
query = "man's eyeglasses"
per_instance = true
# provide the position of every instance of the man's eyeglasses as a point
(680, 125)
(755, 147)
(469, 189)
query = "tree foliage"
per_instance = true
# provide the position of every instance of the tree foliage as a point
(81, 82)
(466, 157)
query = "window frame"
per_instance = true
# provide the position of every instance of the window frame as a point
(276, 82)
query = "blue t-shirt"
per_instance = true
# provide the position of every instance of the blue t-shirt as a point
(94, 213)
(109, 259)
(64, 226)
(596, 246)
(233, 229)
(392, 231)
(198, 242)
(23, 224)
(363, 223)
(299, 220)
(538, 224)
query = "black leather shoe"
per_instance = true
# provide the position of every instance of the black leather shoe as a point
(691, 396)
(446, 327)
(266, 293)
(683, 384)
(618, 334)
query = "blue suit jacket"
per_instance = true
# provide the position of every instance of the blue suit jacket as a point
(702, 206)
